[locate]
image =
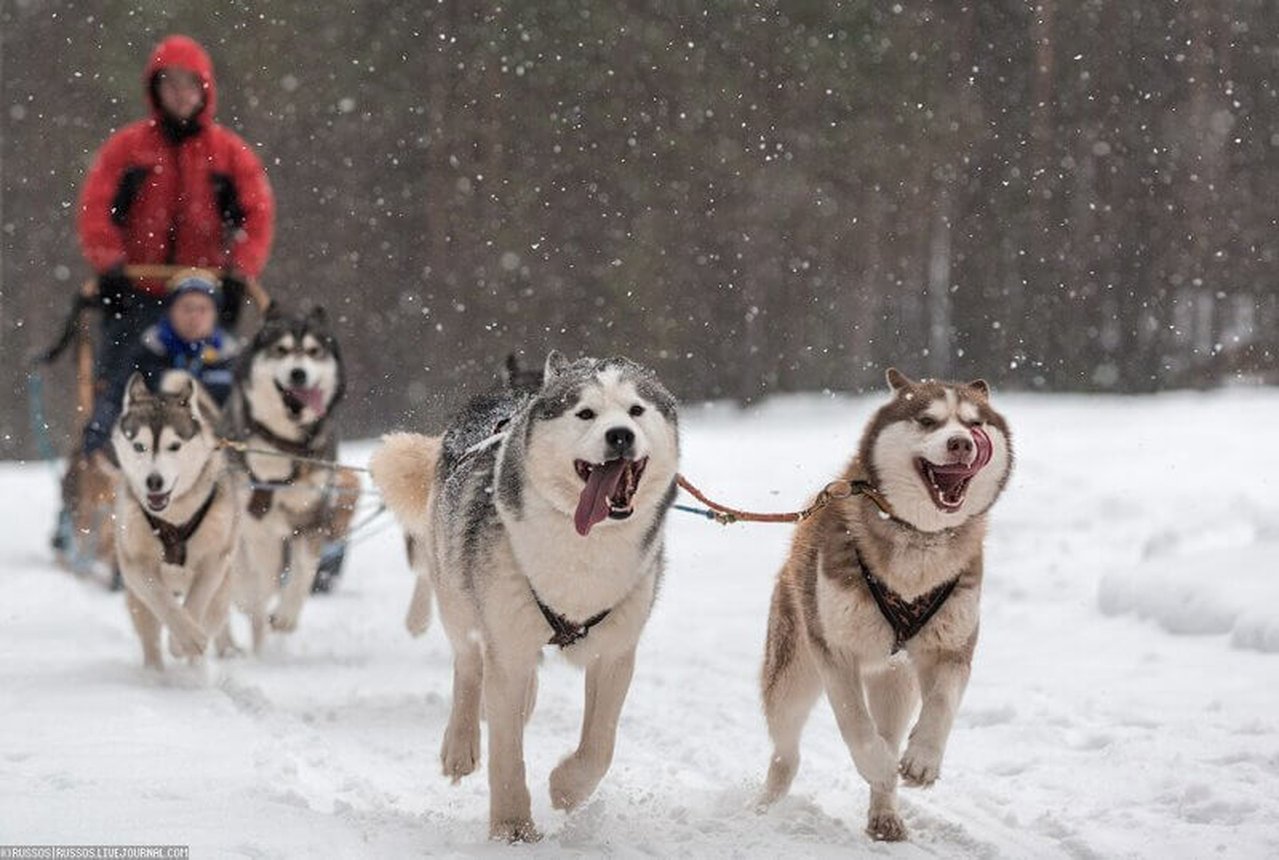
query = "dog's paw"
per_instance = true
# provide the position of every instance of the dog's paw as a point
(886, 827)
(461, 752)
(572, 782)
(228, 650)
(781, 772)
(514, 830)
(283, 622)
(187, 640)
(920, 766)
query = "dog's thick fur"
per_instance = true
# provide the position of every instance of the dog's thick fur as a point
(170, 466)
(287, 385)
(825, 629)
(509, 518)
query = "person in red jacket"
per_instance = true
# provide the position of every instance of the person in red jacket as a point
(175, 188)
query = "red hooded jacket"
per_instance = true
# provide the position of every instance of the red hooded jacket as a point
(200, 199)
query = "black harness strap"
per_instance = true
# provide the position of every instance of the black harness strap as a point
(906, 617)
(174, 538)
(260, 500)
(263, 495)
(264, 491)
(566, 632)
(303, 448)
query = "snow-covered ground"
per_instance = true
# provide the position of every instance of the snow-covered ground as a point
(1124, 700)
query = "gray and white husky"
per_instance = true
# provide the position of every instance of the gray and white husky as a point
(287, 385)
(176, 516)
(542, 524)
(877, 604)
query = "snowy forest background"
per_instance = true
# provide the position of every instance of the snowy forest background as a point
(751, 198)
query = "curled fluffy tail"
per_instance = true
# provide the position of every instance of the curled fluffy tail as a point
(403, 468)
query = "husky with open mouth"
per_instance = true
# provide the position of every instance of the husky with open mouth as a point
(877, 604)
(287, 385)
(176, 517)
(541, 525)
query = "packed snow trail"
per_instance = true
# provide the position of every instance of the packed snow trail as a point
(1092, 727)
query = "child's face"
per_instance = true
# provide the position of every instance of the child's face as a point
(193, 316)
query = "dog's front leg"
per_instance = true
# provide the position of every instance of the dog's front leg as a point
(148, 627)
(208, 580)
(213, 614)
(607, 681)
(506, 684)
(303, 564)
(943, 677)
(186, 637)
(256, 575)
(217, 619)
(871, 755)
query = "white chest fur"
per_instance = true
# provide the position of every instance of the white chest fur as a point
(578, 576)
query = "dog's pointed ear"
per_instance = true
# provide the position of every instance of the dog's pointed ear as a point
(555, 364)
(897, 380)
(185, 392)
(982, 387)
(135, 390)
(318, 317)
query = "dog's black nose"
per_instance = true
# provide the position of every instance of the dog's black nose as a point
(619, 439)
(155, 483)
(962, 445)
(297, 376)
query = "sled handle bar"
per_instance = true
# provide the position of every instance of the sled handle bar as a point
(163, 270)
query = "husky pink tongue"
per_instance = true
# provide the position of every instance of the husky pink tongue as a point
(592, 505)
(985, 450)
(312, 397)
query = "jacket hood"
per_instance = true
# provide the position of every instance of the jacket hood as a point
(186, 53)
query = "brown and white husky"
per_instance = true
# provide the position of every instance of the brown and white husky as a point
(877, 604)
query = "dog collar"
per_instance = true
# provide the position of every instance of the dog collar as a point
(174, 538)
(565, 632)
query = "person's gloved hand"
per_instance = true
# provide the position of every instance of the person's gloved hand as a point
(115, 291)
(234, 289)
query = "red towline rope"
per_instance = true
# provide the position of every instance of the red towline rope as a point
(834, 490)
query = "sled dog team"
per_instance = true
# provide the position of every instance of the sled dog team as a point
(193, 536)
(537, 519)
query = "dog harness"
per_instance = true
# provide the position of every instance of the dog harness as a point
(264, 491)
(565, 632)
(906, 617)
(174, 538)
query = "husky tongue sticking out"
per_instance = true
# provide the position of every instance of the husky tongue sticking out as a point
(609, 490)
(950, 481)
(298, 399)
